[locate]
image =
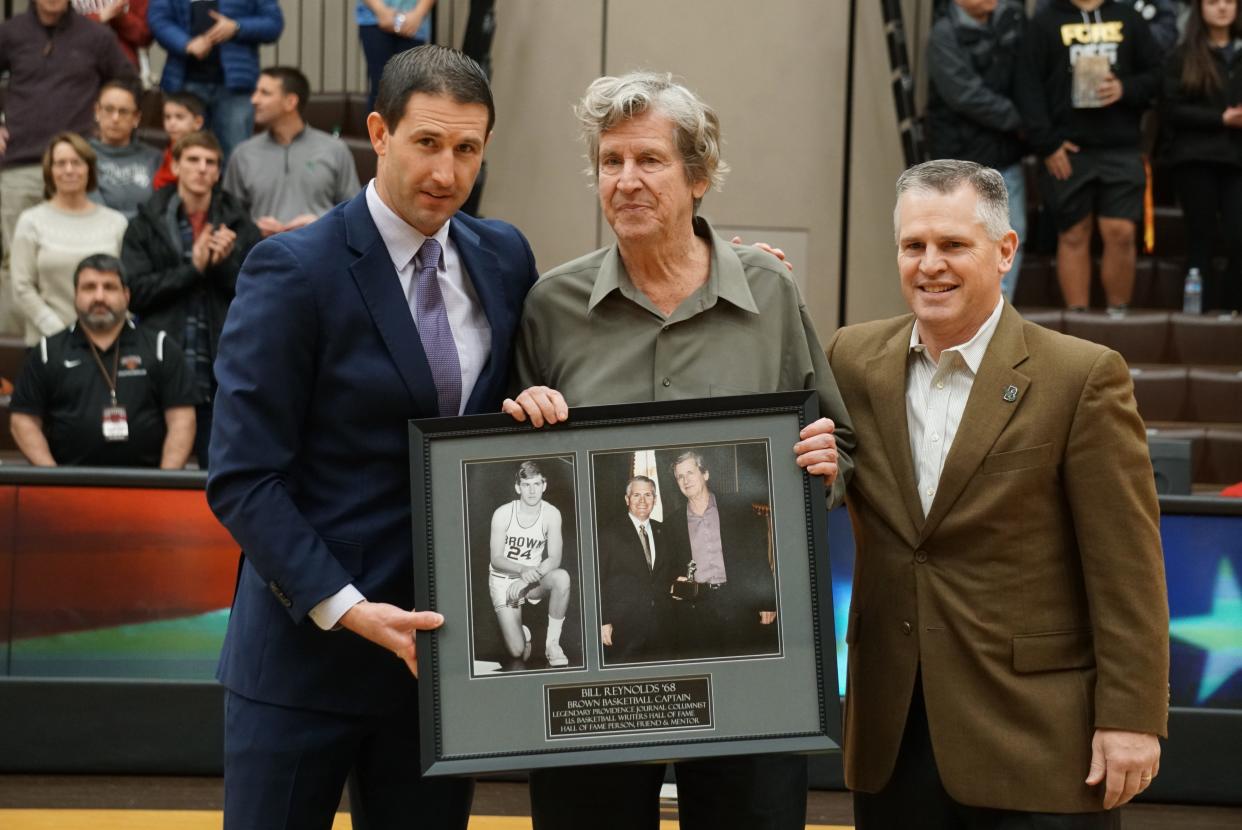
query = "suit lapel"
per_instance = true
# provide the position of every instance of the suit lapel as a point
(482, 269)
(381, 291)
(986, 415)
(886, 387)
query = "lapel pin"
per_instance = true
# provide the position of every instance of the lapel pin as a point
(1011, 394)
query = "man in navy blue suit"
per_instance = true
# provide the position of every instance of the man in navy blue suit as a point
(392, 306)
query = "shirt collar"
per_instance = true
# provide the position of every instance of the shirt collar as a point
(402, 240)
(634, 521)
(962, 19)
(78, 336)
(726, 278)
(972, 350)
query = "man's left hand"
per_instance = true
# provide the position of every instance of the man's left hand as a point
(225, 28)
(1125, 761)
(541, 404)
(817, 451)
(767, 617)
(763, 246)
(300, 221)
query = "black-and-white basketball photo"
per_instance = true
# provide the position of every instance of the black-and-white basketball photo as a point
(522, 538)
(685, 547)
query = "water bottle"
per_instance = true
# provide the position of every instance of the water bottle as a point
(1192, 294)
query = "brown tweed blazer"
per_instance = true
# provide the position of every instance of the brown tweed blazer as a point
(1032, 596)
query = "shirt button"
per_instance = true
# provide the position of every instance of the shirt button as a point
(931, 491)
(940, 384)
(935, 437)
(667, 382)
(906, 627)
(920, 556)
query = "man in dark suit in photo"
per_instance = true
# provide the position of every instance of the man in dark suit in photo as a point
(391, 306)
(637, 566)
(733, 611)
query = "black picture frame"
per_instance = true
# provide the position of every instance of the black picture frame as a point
(716, 681)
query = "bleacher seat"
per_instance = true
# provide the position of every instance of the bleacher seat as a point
(1160, 391)
(328, 111)
(1037, 283)
(1049, 318)
(1140, 336)
(12, 356)
(364, 157)
(1223, 458)
(1206, 339)
(1170, 232)
(1214, 394)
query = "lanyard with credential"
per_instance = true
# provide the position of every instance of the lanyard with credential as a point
(115, 421)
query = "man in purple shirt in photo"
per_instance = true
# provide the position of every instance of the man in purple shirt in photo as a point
(733, 611)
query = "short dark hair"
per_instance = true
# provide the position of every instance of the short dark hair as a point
(106, 263)
(433, 70)
(292, 82)
(124, 85)
(199, 138)
(188, 100)
(528, 470)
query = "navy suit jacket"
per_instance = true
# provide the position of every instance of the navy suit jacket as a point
(320, 366)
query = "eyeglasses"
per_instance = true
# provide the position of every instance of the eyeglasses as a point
(124, 112)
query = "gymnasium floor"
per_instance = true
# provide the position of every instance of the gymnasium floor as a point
(30, 802)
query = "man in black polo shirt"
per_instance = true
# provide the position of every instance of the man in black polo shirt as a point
(104, 392)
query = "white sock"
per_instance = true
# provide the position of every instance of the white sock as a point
(554, 630)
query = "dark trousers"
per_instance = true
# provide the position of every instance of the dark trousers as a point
(723, 623)
(378, 46)
(755, 792)
(914, 798)
(286, 768)
(1211, 196)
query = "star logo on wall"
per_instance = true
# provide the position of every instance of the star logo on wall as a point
(1219, 633)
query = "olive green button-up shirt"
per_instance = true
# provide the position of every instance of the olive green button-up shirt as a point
(588, 332)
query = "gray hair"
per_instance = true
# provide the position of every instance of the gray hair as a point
(639, 479)
(696, 128)
(945, 176)
(687, 456)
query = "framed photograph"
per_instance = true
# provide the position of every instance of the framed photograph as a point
(643, 582)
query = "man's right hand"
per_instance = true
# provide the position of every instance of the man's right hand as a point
(1058, 163)
(605, 634)
(541, 404)
(199, 47)
(200, 252)
(1232, 117)
(391, 627)
(269, 225)
(4, 139)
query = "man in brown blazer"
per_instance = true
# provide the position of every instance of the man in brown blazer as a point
(1008, 634)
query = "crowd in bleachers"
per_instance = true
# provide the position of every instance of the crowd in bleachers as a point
(172, 185)
(1121, 118)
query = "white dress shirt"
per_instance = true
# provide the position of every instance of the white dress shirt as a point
(936, 395)
(469, 325)
(465, 315)
(639, 526)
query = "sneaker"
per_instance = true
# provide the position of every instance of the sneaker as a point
(1119, 311)
(526, 651)
(556, 655)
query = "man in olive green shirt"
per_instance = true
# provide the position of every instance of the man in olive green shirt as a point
(590, 334)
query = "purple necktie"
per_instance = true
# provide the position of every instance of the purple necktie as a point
(433, 329)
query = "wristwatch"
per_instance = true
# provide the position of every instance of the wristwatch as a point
(398, 23)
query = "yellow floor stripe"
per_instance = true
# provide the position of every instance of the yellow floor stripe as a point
(213, 820)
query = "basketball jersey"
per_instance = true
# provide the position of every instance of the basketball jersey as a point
(527, 546)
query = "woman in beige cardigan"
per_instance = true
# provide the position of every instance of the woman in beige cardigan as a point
(52, 237)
